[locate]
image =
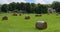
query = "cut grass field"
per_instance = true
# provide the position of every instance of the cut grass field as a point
(19, 24)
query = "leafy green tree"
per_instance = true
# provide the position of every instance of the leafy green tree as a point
(43, 9)
(18, 6)
(56, 5)
(12, 6)
(33, 6)
(22, 6)
(4, 8)
(28, 7)
(38, 9)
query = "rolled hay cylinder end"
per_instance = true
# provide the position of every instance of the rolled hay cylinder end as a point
(19, 14)
(41, 25)
(15, 14)
(4, 18)
(27, 17)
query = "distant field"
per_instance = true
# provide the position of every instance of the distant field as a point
(19, 24)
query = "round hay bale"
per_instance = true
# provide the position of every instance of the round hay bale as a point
(27, 17)
(15, 14)
(4, 18)
(38, 15)
(41, 25)
(19, 14)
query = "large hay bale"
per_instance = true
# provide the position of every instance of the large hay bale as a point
(4, 18)
(41, 25)
(38, 15)
(27, 17)
(19, 14)
(15, 14)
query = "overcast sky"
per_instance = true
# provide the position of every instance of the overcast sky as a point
(30, 1)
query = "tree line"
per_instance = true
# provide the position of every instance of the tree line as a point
(30, 7)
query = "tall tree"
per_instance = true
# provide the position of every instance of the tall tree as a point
(56, 5)
(4, 8)
(18, 6)
(33, 6)
(28, 7)
(12, 6)
(38, 9)
(43, 9)
(22, 6)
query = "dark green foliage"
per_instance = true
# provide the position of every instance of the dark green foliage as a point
(56, 5)
(12, 6)
(30, 7)
(4, 8)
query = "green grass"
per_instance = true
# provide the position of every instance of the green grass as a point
(19, 24)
